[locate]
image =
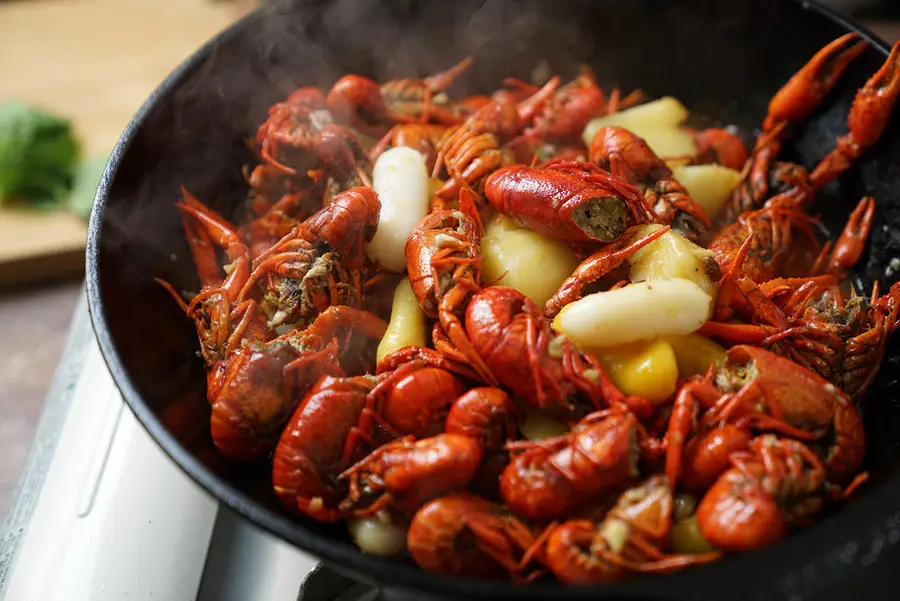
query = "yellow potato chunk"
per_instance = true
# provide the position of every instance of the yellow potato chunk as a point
(686, 538)
(678, 162)
(695, 353)
(407, 324)
(537, 425)
(670, 256)
(664, 112)
(657, 122)
(647, 369)
(637, 311)
(670, 142)
(710, 185)
(534, 264)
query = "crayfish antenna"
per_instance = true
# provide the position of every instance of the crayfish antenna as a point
(363, 177)
(845, 493)
(171, 290)
(728, 283)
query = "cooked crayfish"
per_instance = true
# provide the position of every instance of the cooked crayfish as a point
(319, 441)
(471, 151)
(365, 105)
(442, 258)
(548, 478)
(563, 117)
(571, 201)
(543, 369)
(255, 389)
(769, 232)
(402, 475)
(420, 393)
(629, 158)
(317, 264)
(843, 340)
(499, 447)
(300, 137)
(486, 414)
(464, 535)
(760, 390)
(221, 319)
(776, 484)
(417, 388)
(632, 538)
(796, 101)
(809, 321)
(719, 145)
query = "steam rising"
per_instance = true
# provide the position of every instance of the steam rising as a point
(196, 133)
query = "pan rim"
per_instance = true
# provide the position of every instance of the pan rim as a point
(862, 518)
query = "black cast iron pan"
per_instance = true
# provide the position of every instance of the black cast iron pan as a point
(722, 59)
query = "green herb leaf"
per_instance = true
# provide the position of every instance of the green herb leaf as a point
(87, 178)
(38, 155)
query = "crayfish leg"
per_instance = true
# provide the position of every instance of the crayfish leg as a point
(595, 267)
(851, 243)
(681, 422)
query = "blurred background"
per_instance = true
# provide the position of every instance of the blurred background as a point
(72, 73)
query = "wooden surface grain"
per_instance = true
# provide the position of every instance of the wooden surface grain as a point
(96, 61)
(93, 62)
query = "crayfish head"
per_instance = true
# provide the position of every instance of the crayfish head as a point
(648, 507)
(738, 370)
(846, 315)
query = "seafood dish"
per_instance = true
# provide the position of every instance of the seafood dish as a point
(545, 332)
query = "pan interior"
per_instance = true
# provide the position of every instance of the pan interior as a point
(722, 60)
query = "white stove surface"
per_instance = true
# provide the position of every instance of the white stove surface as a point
(103, 514)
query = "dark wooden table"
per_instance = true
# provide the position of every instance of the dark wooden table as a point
(33, 328)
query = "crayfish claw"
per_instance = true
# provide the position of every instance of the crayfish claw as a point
(866, 122)
(803, 92)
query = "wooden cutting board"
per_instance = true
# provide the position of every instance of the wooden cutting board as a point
(94, 62)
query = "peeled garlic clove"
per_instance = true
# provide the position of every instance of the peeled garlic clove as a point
(401, 181)
(377, 535)
(638, 311)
